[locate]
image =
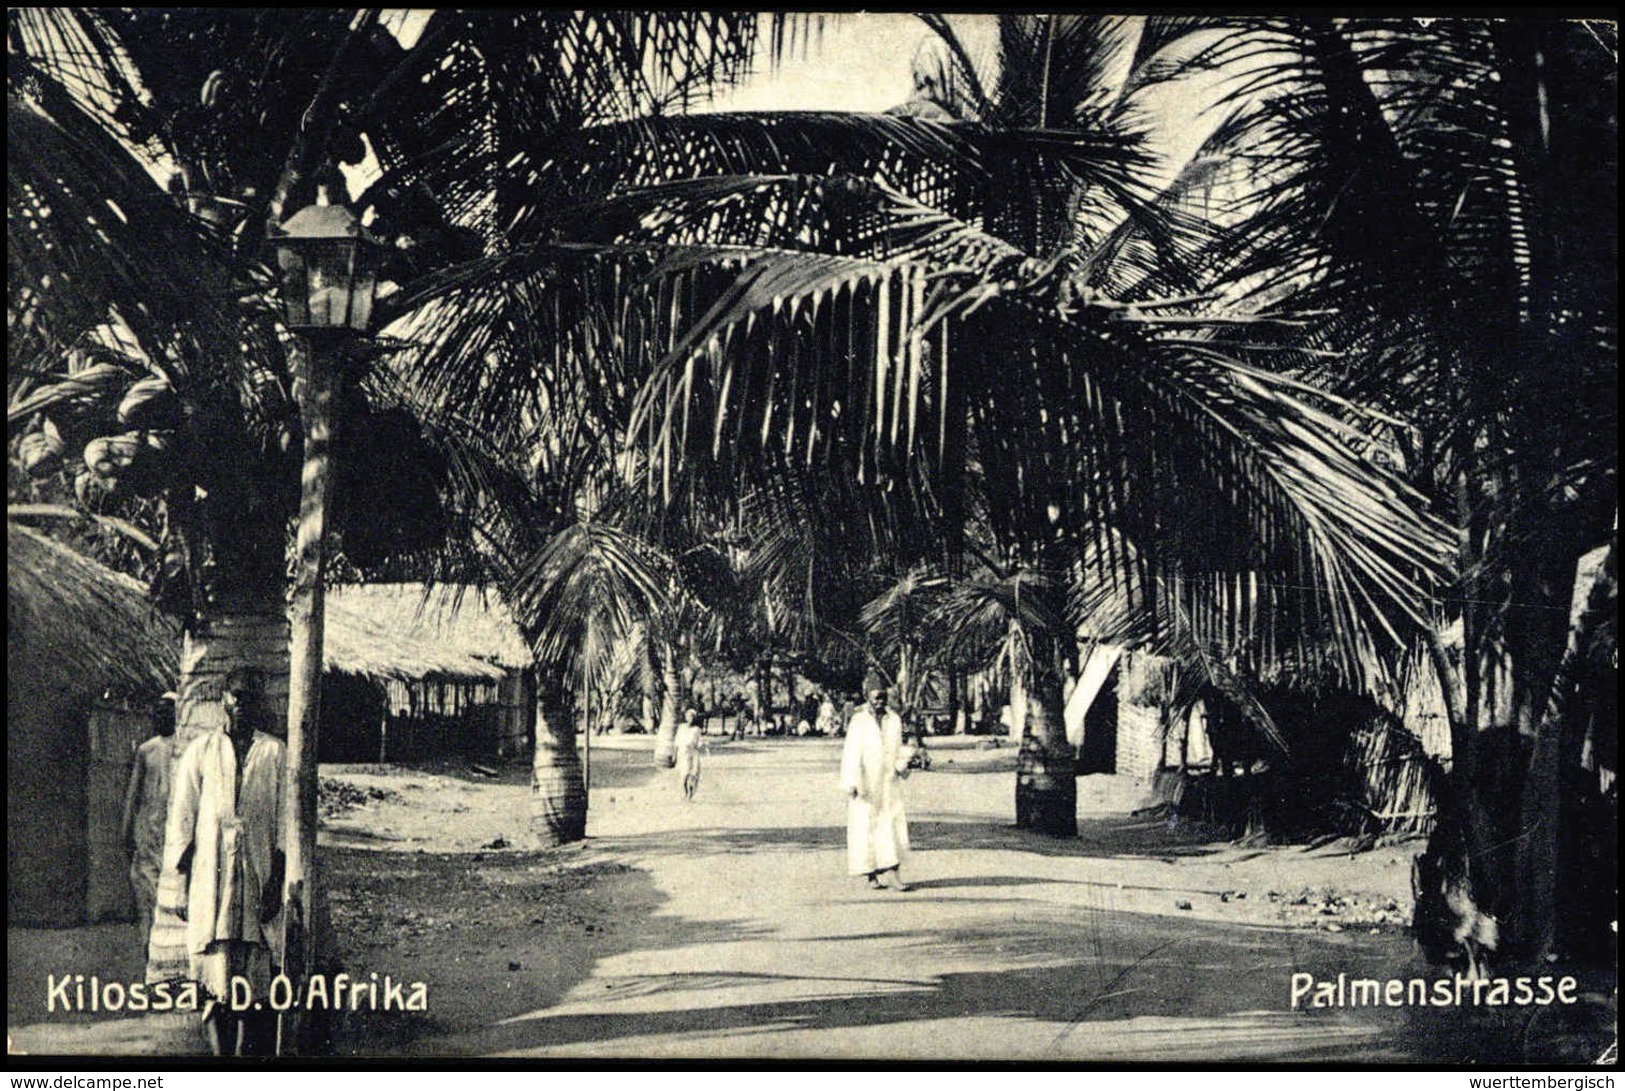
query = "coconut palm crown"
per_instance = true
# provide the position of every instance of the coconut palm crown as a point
(596, 288)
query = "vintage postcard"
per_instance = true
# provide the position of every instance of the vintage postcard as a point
(890, 537)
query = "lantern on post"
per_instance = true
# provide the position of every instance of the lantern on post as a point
(329, 266)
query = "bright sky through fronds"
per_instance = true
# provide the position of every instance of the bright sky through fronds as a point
(862, 62)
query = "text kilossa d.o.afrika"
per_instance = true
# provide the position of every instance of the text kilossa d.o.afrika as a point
(321, 992)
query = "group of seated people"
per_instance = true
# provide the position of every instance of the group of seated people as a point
(827, 719)
(820, 719)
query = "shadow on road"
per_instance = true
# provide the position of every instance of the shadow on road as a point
(492, 935)
(1098, 838)
(1113, 984)
(986, 881)
(623, 773)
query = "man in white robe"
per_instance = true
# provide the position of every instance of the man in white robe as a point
(225, 841)
(825, 724)
(873, 764)
(688, 745)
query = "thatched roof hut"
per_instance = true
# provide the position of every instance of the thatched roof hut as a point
(445, 670)
(75, 626)
(360, 642)
(470, 621)
(76, 633)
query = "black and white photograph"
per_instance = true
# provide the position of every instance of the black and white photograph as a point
(881, 538)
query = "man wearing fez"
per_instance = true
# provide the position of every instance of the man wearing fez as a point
(225, 841)
(873, 765)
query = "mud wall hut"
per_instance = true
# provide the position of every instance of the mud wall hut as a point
(1351, 764)
(1114, 712)
(86, 653)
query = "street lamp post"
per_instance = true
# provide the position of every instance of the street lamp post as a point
(329, 269)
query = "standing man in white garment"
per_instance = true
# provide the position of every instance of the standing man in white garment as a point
(873, 765)
(225, 839)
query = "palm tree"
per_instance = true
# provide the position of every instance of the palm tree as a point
(830, 323)
(818, 321)
(896, 619)
(1045, 427)
(596, 585)
(105, 270)
(1002, 621)
(1441, 197)
(148, 308)
(680, 619)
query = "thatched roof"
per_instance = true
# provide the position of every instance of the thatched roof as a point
(473, 621)
(79, 627)
(359, 642)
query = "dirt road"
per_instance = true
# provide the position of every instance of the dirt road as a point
(726, 927)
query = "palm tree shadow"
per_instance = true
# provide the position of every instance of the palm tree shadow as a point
(1118, 835)
(726, 841)
(986, 881)
(384, 925)
(1105, 837)
(1103, 983)
(1118, 985)
(1000, 766)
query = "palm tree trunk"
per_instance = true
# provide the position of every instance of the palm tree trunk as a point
(764, 691)
(1185, 743)
(558, 793)
(649, 681)
(1456, 877)
(1538, 874)
(255, 637)
(689, 674)
(905, 678)
(1463, 872)
(1046, 769)
(672, 679)
(1018, 707)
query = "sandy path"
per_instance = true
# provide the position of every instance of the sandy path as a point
(726, 927)
(755, 943)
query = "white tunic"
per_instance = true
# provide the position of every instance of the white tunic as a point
(233, 829)
(688, 743)
(876, 827)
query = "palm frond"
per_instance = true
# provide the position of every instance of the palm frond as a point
(975, 618)
(559, 72)
(937, 164)
(80, 52)
(958, 83)
(91, 238)
(898, 614)
(1276, 488)
(1101, 612)
(586, 589)
(1055, 68)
